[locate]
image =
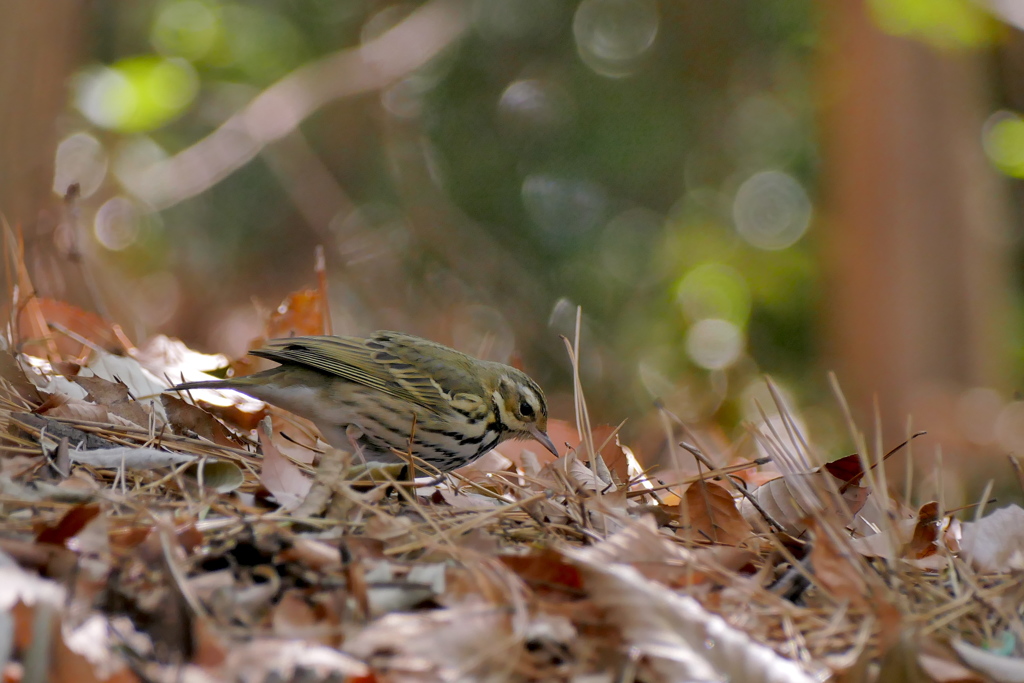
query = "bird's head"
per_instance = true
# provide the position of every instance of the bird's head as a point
(522, 409)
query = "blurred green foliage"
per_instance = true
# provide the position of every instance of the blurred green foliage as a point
(653, 162)
(601, 143)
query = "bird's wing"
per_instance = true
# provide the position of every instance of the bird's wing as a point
(370, 362)
(425, 367)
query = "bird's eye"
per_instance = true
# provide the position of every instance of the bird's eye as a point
(525, 409)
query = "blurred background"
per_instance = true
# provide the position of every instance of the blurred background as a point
(728, 189)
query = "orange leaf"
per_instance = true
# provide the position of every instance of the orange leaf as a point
(301, 313)
(84, 324)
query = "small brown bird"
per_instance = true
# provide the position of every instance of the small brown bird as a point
(381, 386)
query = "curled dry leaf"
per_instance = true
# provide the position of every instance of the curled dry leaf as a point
(329, 482)
(546, 571)
(792, 499)
(916, 540)
(60, 405)
(103, 391)
(389, 590)
(294, 436)
(281, 476)
(223, 476)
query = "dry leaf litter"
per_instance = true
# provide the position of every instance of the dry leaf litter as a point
(150, 537)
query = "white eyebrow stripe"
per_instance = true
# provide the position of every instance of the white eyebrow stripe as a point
(530, 396)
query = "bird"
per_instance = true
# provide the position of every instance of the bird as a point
(374, 393)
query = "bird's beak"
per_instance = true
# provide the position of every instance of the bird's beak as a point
(544, 439)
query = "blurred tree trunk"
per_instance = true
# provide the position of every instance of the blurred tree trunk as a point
(39, 48)
(916, 246)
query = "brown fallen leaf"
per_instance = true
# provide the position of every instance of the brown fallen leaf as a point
(545, 571)
(116, 397)
(186, 418)
(712, 514)
(12, 372)
(73, 521)
(927, 531)
(837, 569)
(102, 391)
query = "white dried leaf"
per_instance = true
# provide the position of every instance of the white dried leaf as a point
(997, 667)
(130, 458)
(683, 641)
(265, 659)
(142, 384)
(995, 543)
(470, 642)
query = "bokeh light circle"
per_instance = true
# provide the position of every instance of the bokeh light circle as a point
(187, 28)
(1003, 139)
(533, 108)
(136, 94)
(714, 290)
(714, 344)
(117, 222)
(613, 36)
(80, 159)
(771, 210)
